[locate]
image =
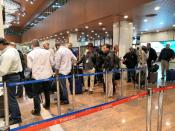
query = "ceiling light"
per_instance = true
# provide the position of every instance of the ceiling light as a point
(161, 23)
(92, 31)
(86, 27)
(82, 33)
(103, 28)
(167, 123)
(130, 23)
(125, 17)
(96, 34)
(173, 25)
(106, 32)
(87, 35)
(145, 20)
(55, 35)
(47, 37)
(157, 8)
(100, 23)
(133, 28)
(76, 29)
(61, 33)
(67, 32)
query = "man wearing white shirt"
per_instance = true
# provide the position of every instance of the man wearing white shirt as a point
(40, 62)
(10, 66)
(64, 60)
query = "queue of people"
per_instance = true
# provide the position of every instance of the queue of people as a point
(44, 63)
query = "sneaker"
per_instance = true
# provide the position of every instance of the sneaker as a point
(35, 113)
(91, 92)
(64, 102)
(46, 107)
(14, 121)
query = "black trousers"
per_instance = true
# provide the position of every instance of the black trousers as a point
(38, 88)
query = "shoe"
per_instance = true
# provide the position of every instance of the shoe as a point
(86, 90)
(14, 121)
(64, 102)
(90, 92)
(162, 78)
(46, 107)
(35, 113)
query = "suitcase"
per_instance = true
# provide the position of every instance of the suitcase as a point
(170, 75)
(78, 85)
(153, 77)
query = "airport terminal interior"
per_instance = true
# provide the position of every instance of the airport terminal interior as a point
(87, 65)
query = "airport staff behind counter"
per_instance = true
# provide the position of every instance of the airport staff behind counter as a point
(10, 66)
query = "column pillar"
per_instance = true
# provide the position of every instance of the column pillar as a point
(1, 19)
(73, 38)
(122, 36)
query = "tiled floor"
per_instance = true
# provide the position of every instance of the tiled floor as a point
(128, 116)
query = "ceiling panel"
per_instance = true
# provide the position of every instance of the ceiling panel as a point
(31, 10)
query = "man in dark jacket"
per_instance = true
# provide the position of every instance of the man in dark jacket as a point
(165, 56)
(131, 61)
(152, 56)
(108, 65)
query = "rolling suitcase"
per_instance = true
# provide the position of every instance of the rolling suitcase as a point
(78, 85)
(153, 77)
(170, 75)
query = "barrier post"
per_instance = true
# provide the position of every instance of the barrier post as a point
(139, 78)
(121, 82)
(106, 85)
(149, 109)
(58, 95)
(6, 106)
(73, 91)
(160, 110)
(146, 83)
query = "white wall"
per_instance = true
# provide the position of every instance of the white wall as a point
(161, 36)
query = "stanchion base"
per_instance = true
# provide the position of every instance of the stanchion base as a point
(5, 128)
(70, 110)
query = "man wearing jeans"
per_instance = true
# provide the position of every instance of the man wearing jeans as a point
(64, 60)
(10, 66)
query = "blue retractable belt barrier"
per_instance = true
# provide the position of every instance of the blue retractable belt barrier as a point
(68, 76)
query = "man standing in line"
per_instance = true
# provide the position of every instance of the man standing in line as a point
(64, 60)
(152, 56)
(108, 65)
(40, 62)
(88, 60)
(165, 56)
(10, 67)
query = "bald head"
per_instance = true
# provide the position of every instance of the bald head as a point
(46, 46)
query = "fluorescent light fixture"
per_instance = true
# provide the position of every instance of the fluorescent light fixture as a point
(125, 17)
(157, 8)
